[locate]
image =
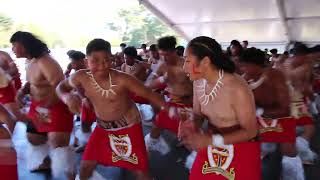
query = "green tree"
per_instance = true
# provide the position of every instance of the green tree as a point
(6, 25)
(136, 25)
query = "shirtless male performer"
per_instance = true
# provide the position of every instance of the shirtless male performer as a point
(153, 65)
(226, 150)
(179, 88)
(144, 53)
(51, 124)
(298, 71)
(9, 84)
(82, 134)
(132, 66)
(78, 61)
(120, 54)
(118, 139)
(272, 99)
(8, 65)
(8, 156)
(235, 52)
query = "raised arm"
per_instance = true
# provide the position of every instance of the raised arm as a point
(68, 70)
(281, 108)
(65, 92)
(245, 110)
(157, 77)
(7, 118)
(137, 87)
(51, 70)
(22, 92)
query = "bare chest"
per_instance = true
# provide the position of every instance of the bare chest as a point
(34, 75)
(102, 91)
(217, 107)
(130, 69)
(177, 75)
(264, 94)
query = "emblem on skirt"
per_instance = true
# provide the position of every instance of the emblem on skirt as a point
(269, 125)
(299, 109)
(220, 159)
(43, 114)
(122, 149)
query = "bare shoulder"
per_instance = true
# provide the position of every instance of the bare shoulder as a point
(235, 84)
(80, 73)
(163, 68)
(5, 56)
(78, 77)
(48, 62)
(140, 65)
(119, 76)
(275, 75)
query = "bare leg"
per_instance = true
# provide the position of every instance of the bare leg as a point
(86, 169)
(4, 134)
(308, 132)
(291, 162)
(141, 175)
(86, 127)
(303, 145)
(15, 110)
(60, 141)
(82, 136)
(36, 139)
(155, 132)
(288, 149)
(38, 143)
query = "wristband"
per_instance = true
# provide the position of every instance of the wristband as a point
(64, 98)
(259, 112)
(217, 140)
(155, 74)
(162, 79)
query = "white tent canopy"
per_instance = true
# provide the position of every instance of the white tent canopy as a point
(258, 21)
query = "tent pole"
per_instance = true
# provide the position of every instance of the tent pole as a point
(163, 18)
(284, 22)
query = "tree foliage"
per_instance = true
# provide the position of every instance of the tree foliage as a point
(136, 25)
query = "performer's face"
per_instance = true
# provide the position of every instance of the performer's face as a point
(167, 55)
(192, 66)
(77, 64)
(99, 61)
(155, 54)
(19, 50)
(249, 69)
(234, 50)
(129, 60)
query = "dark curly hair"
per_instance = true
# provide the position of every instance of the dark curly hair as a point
(98, 45)
(76, 55)
(167, 43)
(33, 45)
(132, 52)
(253, 56)
(204, 46)
(153, 47)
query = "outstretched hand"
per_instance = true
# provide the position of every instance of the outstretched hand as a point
(74, 102)
(192, 137)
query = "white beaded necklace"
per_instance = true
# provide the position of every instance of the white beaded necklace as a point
(132, 68)
(205, 98)
(255, 84)
(99, 89)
